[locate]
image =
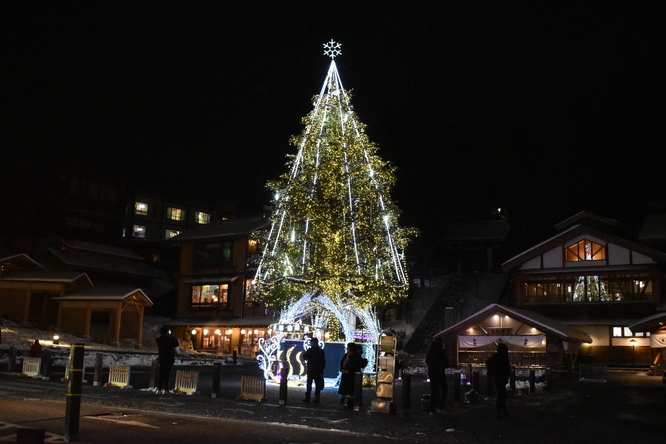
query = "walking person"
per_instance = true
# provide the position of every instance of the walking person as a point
(167, 346)
(499, 368)
(316, 360)
(437, 362)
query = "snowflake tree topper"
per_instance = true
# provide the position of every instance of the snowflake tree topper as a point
(332, 49)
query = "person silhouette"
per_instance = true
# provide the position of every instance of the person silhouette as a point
(499, 368)
(167, 346)
(316, 360)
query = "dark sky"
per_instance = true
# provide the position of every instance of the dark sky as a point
(543, 108)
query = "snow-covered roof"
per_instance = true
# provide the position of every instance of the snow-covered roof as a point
(219, 279)
(108, 293)
(22, 259)
(67, 277)
(649, 322)
(548, 325)
(129, 268)
(221, 229)
(101, 248)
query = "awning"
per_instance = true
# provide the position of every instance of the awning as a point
(212, 280)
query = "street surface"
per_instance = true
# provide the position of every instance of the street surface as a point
(628, 408)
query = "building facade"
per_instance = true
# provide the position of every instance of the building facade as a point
(592, 278)
(215, 306)
(587, 294)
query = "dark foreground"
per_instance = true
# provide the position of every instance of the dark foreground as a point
(628, 408)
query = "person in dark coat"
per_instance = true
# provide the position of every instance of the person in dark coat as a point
(437, 362)
(166, 356)
(499, 368)
(36, 349)
(316, 359)
(351, 363)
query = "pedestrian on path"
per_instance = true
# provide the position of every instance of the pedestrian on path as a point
(167, 347)
(316, 360)
(437, 362)
(499, 368)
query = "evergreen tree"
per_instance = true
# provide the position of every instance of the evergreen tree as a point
(334, 228)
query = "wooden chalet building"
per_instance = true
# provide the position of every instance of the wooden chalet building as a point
(589, 292)
(68, 301)
(215, 307)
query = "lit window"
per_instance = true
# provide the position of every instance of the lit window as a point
(139, 231)
(171, 233)
(249, 295)
(251, 246)
(141, 208)
(209, 294)
(175, 213)
(202, 218)
(586, 250)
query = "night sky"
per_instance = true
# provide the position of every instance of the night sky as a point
(541, 108)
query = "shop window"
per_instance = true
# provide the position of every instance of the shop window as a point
(141, 208)
(175, 213)
(585, 250)
(209, 295)
(249, 293)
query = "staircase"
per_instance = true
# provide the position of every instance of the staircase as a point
(463, 295)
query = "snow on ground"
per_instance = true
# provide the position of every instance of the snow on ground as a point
(22, 337)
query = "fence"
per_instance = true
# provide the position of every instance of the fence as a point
(253, 388)
(186, 382)
(31, 367)
(593, 373)
(119, 377)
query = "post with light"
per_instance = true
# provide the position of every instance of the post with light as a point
(633, 351)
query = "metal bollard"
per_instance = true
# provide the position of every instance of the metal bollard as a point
(13, 352)
(406, 391)
(512, 380)
(358, 391)
(532, 382)
(457, 390)
(97, 375)
(284, 374)
(217, 367)
(46, 363)
(73, 407)
(153, 373)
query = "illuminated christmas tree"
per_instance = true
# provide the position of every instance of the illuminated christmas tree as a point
(334, 239)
